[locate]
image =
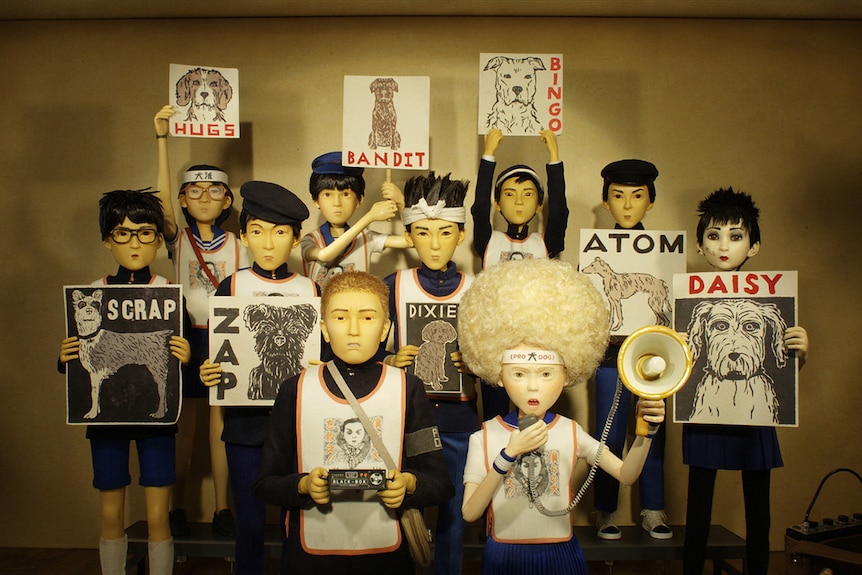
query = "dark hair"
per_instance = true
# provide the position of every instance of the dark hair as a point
(607, 185)
(140, 206)
(245, 216)
(433, 189)
(319, 182)
(225, 214)
(729, 207)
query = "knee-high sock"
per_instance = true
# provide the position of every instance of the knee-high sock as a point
(161, 554)
(112, 555)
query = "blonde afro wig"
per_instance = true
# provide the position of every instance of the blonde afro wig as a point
(540, 302)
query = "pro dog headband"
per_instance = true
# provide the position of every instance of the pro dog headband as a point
(205, 176)
(537, 356)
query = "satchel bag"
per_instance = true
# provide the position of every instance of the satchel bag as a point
(412, 521)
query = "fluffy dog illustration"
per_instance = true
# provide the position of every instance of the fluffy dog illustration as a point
(514, 110)
(280, 334)
(384, 118)
(620, 286)
(103, 352)
(206, 93)
(430, 363)
(733, 335)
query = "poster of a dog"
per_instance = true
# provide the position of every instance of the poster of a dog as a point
(125, 373)
(385, 122)
(259, 343)
(633, 270)
(520, 94)
(206, 100)
(743, 374)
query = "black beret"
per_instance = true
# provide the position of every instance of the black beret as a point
(330, 163)
(272, 203)
(630, 172)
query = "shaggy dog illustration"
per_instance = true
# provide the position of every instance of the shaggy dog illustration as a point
(514, 110)
(280, 334)
(733, 334)
(103, 352)
(620, 286)
(430, 363)
(205, 93)
(384, 118)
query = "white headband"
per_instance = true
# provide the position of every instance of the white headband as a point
(421, 211)
(543, 356)
(205, 176)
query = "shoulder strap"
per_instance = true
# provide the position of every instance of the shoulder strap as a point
(200, 257)
(360, 413)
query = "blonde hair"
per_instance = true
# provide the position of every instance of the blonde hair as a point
(355, 282)
(540, 302)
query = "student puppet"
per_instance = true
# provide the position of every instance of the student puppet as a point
(628, 193)
(270, 226)
(423, 303)
(728, 234)
(132, 227)
(336, 247)
(520, 466)
(315, 437)
(519, 197)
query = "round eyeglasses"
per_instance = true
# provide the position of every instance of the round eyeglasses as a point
(216, 192)
(124, 235)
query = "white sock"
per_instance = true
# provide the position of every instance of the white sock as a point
(112, 555)
(161, 554)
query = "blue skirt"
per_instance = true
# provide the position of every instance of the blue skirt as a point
(533, 559)
(731, 447)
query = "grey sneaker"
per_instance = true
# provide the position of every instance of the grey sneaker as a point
(655, 523)
(606, 526)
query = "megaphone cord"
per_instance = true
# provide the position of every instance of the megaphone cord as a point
(531, 480)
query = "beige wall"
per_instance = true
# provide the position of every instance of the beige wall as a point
(770, 107)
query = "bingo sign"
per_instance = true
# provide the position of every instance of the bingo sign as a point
(520, 94)
(206, 100)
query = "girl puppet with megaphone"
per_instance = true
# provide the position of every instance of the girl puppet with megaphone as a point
(510, 333)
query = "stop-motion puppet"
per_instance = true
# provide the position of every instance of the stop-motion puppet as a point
(535, 327)
(728, 233)
(203, 255)
(132, 226)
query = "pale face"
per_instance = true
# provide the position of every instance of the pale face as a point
(134, 255)
(519, 202)
(354, 433)
(727, 246)
(337, 206)
(628, 204)
(533, 388)
(205, 210)
(270, 244)
(435, 241)
(354, 324)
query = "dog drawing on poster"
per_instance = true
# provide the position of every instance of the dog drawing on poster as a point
(384, 117)
(514, 108)
(430, 363)
(203, 95)
(621, 286)
(104, 352)
(279, 334)
(736, 336)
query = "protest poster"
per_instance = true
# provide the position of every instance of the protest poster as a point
(125, 372)
(520, 94)
(743, 373)
(386, 122)
(633, 270)
(206, 100)
(259, 343)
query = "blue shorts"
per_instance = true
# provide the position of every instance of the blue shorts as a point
(156, 458)
(192, 385)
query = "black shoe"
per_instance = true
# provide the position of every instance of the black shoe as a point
(179, 523)
(223, 524)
